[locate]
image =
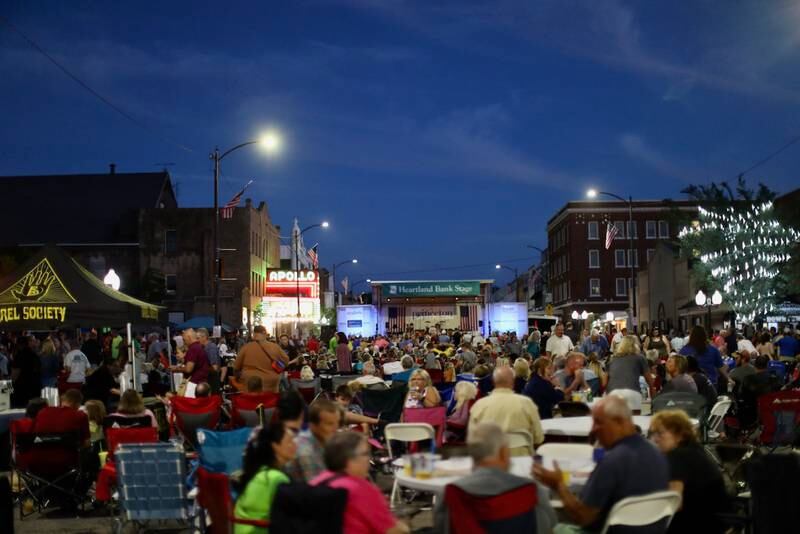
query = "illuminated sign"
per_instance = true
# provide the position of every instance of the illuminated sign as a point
(433, 289)
(285, 309)
(33, 296)
(288, 283)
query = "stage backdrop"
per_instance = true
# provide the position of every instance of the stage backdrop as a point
(424, 317)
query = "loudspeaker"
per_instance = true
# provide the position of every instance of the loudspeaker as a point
(480, 324)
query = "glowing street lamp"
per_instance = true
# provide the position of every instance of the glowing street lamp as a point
(112, 280)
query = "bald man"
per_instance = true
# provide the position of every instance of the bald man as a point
(510, 411)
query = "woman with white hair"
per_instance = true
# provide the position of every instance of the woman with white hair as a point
(306, 373)
(457, 421)
(534, 344)
(421, 393)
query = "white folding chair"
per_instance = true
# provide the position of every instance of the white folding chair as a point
(643, 510)
(716, 419)
(567, 451)
(632, 397)
(520, 438)
(407, 433)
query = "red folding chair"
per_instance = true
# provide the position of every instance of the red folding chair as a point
(214, 495)
(512, 511)
(189, 415)
(107, 476)
(436, 417)
(779, 414)
(437, 375)
(245, 408)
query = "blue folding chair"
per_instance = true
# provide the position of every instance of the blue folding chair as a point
(221, 452)
(778, 369)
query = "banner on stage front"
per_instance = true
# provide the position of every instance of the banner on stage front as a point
(468, 288)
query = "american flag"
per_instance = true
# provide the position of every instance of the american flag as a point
(397, 319)
(345, 283)
(312, 255)
(611, 233)
(227, 209)
(469, 317)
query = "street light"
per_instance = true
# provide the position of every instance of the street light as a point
(271, 142)
(323, 224)
(704, 301)
(610, 316)
(516, 278)
(594, 193)
(335, 265)
(112, 280)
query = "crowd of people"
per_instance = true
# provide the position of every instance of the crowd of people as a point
(499, 385)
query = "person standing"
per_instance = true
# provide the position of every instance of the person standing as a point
(92, 349)
(26, 372)
(344, 358)
(657, 341)
(261, 358)
(559, 344)
(707, 355)
(212, 355)
(195, 363)
(76, 363)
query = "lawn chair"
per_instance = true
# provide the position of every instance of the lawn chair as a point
(189, 415)
(693, 404)
(48, 467)
(436, 417)
(338, 380)
(115, 437)
(407, 433)
(511, 511)
(221, 452)
(716, 418)
(252, 409)
(644, 510)
(309, 389)
(119, 421)
(779, 414)
(387, 403)
(437, 376)
(152, 485)
(214, 496)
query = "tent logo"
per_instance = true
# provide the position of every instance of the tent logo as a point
(40, 285)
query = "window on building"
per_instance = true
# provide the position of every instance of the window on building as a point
(620, 229)
(663, 229)
(632, 233)
(594, 231)
(171, 283)
(594, 259)
(650, 253)
(619, 258)
(622, 291)
(633, 257)
(594, 287)
(170, 241)
(650, 228)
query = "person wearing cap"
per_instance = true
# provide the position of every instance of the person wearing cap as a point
(787, 346)
(595, 343)
(261, 358)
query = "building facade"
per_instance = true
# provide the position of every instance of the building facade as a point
(584, 275)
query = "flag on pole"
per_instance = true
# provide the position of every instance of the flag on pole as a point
(397, 319)
(345, 283)
(611, 233)
(227, 209)
(468, 315)
(312, 255)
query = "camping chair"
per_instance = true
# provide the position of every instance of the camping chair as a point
(214, 496)
(779, 414)
(387, 403)
(574, 409)
(644, 510)
(221, 452)
(512, 511)
(107, 476)
(437, 376)
(338, 380)
(778, 369)
(309, 389)
(152, 485)
(485, 385)
(447, 393)
(119, 421)
(595, 385)
(48, 467)
(189, 415)
(436, 417)
(716, 418)
(693, 404)
(252, 409)
(407, 433)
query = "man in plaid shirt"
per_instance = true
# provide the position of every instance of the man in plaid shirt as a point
(323, 421)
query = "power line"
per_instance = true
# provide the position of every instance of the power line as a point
(451, 268)
(769, 157)
(83, 84)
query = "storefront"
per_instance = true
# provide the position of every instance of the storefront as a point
(286, 293)
(421, 305)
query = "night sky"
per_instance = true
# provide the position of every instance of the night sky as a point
(429, 134)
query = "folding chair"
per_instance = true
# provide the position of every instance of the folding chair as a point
(189, 415)
(152, 485)
(574, 409)
(716, 418)
(644, 510)
(387, 403)
(47, 465)
(338, 380)
(693, 404)
(309, 389)
(119, 421)
(595, 385)
(437, 376)
(407, 433)
(252, 409)
(447, 393)
(778, 369)
(214, 496)
(221, 452)
(436, 417)
(511, 511)
(779, 414)
(107, 476)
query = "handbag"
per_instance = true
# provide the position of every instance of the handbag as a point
(277, 365)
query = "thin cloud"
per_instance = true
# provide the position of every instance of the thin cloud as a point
(637, 148)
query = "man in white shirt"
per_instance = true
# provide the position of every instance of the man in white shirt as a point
(677, 342)
(617, 338)
(77, 363)
(478, 339)
(558, 344)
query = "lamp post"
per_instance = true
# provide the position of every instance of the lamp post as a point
(516, 279)
(335, 265)
(271, 143)
(593, 193)
(353, 286)
(323, 224)
(112, 280)
(702, 300)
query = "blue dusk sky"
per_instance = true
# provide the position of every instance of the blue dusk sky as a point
(430, 134)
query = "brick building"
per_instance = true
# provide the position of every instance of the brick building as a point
(583, 274)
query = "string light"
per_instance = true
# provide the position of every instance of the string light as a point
(755, 248)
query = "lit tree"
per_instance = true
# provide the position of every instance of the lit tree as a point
(743, 250)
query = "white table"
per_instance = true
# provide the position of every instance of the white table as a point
(581, 427)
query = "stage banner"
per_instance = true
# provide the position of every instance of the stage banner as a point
(424, 317)
(467, 288)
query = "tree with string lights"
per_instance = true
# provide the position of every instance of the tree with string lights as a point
(742, 249)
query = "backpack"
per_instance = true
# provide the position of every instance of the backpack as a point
(290, 509)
